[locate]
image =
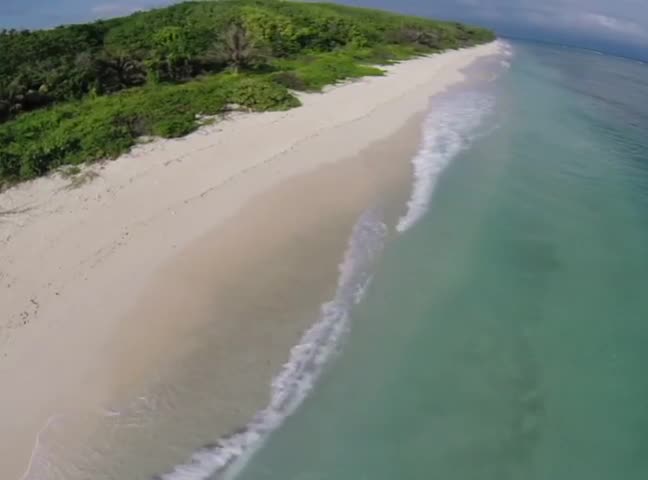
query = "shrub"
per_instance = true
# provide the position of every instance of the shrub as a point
(174, 127)
(260, 93)
(290, 80)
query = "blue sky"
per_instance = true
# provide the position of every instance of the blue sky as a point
(49, 13)
(617, 25)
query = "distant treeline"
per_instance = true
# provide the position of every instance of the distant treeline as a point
(84, 92)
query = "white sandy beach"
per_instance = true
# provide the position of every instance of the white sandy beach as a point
(75, 263)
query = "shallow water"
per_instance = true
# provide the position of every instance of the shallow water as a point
(503, 333)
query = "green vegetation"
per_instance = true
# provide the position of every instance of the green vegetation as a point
(86, 92)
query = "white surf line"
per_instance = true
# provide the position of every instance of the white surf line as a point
(299, 374)
(447, 129)
(30, 464)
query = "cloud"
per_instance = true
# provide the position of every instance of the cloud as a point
(613, 24)
(620, 20)
(586, 22)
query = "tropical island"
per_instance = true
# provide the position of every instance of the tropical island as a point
(86, 92)
(222, 230)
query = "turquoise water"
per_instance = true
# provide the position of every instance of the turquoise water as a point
(503, 335)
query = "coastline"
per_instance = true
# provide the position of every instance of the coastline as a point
(76, 263)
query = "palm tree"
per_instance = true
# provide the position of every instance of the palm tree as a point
(237, 48)
(120, 71)
(171, 57)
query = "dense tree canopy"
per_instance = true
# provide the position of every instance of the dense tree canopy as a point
(112, 72)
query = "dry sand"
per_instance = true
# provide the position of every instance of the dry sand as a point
(85, 272)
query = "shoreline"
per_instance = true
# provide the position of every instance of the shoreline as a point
(284, 286)
(76, 262)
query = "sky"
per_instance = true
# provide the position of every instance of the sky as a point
(616, 26)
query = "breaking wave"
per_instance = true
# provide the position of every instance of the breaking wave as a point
(448, 128)
(304, 366)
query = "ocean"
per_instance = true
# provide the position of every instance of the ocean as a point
(491, 327)
(503, 332)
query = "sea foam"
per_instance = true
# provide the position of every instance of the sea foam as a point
(307, 359)
(447, 129)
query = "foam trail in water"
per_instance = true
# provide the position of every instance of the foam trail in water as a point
(304, 366)
(505, 48)
(447, 130)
